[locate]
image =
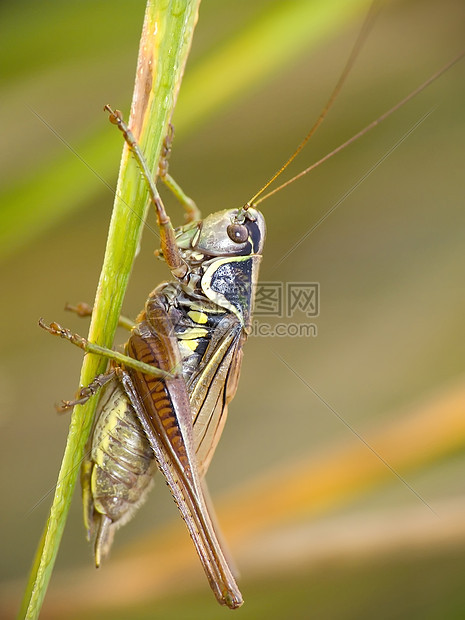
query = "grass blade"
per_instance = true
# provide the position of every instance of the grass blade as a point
(165, 42)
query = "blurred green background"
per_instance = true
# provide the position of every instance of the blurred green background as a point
(390, 265)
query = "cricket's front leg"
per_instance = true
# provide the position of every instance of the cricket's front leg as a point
(171, 252)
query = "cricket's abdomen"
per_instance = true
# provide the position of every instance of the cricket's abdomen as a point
(118, 471)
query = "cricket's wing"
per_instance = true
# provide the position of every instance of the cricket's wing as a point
(213, 386)
(164, 411)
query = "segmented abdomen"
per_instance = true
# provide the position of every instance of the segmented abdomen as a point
(118, 470)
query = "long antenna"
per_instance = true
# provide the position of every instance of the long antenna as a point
(365, 130)
(366, 27)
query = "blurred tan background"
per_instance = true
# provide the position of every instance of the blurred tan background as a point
(342, 535)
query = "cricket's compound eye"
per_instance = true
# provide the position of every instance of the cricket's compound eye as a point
(238, 233)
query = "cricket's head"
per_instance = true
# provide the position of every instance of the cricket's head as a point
(232, 243)
(233, 232)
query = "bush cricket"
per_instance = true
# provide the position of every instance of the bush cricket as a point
(171, 412)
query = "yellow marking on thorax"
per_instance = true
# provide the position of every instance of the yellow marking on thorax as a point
(198, 317)
(187, 347)
(193, 333)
